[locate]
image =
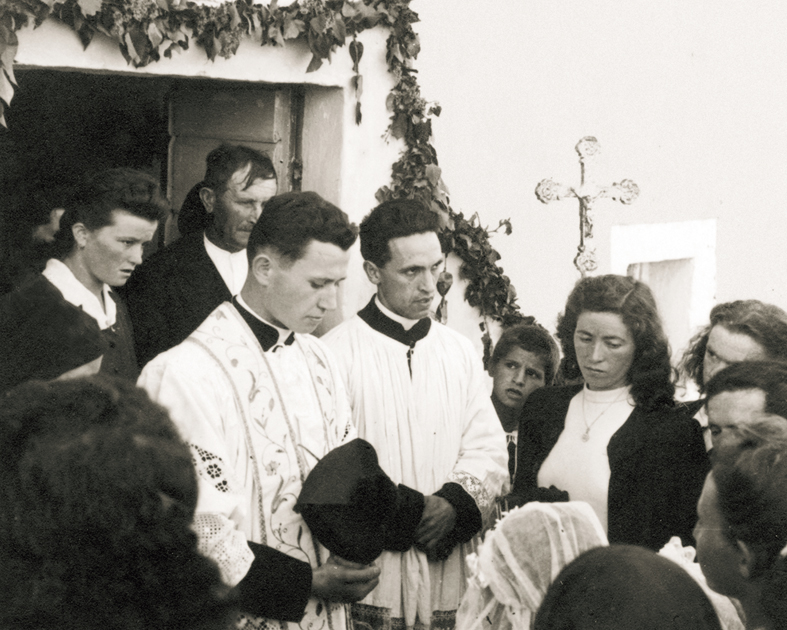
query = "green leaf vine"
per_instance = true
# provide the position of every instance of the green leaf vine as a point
(147, 30)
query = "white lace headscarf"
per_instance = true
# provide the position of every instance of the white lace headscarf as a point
(519, 559)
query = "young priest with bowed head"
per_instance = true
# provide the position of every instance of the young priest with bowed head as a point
(261, 401)
(418, 396)
(525, 359)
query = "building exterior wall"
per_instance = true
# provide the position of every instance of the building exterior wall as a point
(687, 99)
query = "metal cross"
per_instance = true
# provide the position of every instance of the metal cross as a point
(626, 192)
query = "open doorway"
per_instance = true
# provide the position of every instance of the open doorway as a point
(64, 125)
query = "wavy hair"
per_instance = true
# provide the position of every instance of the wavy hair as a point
(764, 323)
(651, 377)
(98, 493)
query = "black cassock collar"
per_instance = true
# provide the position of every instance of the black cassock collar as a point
(268, 336)
(380, 322)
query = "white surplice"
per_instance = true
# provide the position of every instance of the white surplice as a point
(433, 427)
(257, 422)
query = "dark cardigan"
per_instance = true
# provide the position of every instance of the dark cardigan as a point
(119, 359)
(657, 464)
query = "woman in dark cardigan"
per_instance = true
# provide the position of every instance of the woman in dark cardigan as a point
(615, 442)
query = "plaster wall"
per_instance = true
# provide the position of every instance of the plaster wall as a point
(687, 99)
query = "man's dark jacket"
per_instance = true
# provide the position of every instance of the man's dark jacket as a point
(171, 294)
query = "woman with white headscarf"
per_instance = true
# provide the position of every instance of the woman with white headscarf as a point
(519, 559)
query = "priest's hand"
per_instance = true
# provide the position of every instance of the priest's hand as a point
(438, 520)
(340, 580)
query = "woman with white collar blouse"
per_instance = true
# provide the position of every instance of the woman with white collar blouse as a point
(615, 442)
(100, 242)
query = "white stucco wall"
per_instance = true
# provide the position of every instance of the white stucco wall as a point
(686, 98)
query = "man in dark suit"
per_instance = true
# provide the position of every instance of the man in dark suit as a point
(176, 289)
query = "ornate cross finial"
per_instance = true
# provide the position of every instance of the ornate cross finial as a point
(626, 192)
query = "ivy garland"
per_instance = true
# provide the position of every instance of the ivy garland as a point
(146, 30)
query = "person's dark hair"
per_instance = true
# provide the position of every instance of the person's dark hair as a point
(768, 376)
(650, 375)
(291, 220)
(39, 205)
(224, 161)
(394, 219)
(751, 477)
(100, 195)
(622, 587)
(764, 323)
(98, 493)
(530, 338)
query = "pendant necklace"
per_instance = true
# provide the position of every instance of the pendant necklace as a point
(588, 427)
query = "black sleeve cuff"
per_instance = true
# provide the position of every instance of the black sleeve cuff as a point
(277, 586)
(468, 516)
(542, 495)
(404, 519)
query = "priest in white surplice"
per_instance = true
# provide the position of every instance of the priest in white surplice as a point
(418, 396)
(260, 401)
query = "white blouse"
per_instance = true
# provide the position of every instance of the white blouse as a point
(578, 463)
(58, 273)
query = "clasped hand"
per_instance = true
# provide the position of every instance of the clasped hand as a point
(438, 520)
(340, 580)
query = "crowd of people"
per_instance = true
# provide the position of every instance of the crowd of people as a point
(180, 451)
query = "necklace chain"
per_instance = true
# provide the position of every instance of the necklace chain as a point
(588, 427)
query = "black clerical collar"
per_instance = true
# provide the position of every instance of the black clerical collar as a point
(380, 322)
(267, 335)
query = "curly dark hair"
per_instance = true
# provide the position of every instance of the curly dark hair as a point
(764, 323)
(750, 478)
(394, 219)
(651, 376)
(98, 493)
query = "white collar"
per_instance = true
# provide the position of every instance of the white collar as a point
(702, 417)
(283, 332)
(406, 323)
(233, 267)
(58, 273)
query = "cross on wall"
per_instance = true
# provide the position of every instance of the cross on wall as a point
(587, 193)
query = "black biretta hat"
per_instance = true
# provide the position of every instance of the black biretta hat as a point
(354, 509)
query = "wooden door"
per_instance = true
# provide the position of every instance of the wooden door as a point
(203, 116)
